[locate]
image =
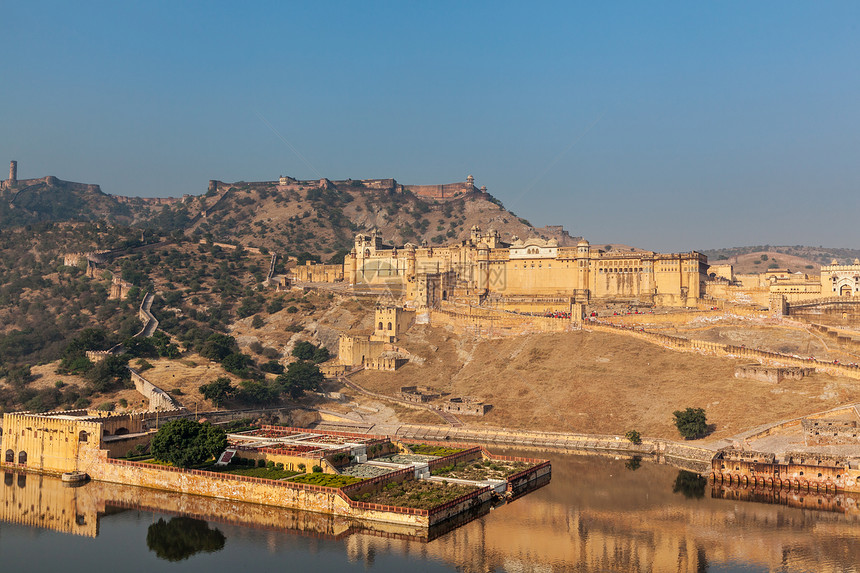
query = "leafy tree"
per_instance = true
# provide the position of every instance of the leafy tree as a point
(258, 392)
(219, 346)
(299, 377)
(218, 391)
(634, 437)
(257, 321)
(691, 423)
(273, 366)
(182, 537)
(237, 363)
(109, 373)
(304, 350)
(186, 443)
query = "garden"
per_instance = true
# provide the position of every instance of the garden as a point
(481, 470)
(418, 494)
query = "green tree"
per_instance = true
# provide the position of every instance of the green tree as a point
(218, 346)
(305, 350)
(218, 391)
(634, 436)
(186, 443)
(299, 377)
(257, 392)
(691, 423)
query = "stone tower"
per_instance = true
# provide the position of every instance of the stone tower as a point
(13, 172)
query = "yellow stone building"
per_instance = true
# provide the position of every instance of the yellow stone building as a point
(484, 267)
(55, 442)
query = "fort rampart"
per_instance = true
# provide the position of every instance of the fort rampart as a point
(719, 349)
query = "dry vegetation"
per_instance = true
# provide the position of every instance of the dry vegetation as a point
(600, 383)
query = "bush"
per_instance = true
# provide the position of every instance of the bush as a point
(261, 463)
(302, 467)
(279, 466)
(292, 309)
(187, 443)
(634, 437)
(691, 423)
(316, 469)
(106, 407)
(257, 322)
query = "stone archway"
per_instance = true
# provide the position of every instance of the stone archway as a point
(22, 458)
(10, 457)
(845, 290)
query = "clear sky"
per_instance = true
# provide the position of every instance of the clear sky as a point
(669, 126)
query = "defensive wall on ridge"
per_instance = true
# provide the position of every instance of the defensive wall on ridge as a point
(718, 349)
(158, 398)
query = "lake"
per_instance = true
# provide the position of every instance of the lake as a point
(597, 514)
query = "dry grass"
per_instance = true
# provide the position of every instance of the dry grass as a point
(600, 383)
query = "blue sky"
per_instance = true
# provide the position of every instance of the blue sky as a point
(670, 126)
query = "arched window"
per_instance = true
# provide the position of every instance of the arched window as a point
(389, 326)
(10, 457)
(83, 437)
(380, 326)
(22, 458)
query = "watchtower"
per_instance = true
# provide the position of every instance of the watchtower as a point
(13, 172)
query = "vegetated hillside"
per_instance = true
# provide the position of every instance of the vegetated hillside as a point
(797, 258)
(321, 222)
(601, 383)
(324, 221)
(50, 314)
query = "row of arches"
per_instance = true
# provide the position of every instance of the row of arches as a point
(10, 457)
(771, 482)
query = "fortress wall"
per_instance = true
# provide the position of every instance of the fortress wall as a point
(494, 322)
(717, 349)
(158, 398)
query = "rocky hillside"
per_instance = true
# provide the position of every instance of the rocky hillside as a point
(318, 221)
(49, 199)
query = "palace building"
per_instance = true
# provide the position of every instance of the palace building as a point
(483, 267)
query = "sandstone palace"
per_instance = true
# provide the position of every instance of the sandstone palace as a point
(483, 268)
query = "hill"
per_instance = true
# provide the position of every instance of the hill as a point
(756, 259)
(320, 218)
(49, 199)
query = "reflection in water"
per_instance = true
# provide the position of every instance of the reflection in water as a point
(595, 515)
(633, 463)
(182, 537)
(691, 485)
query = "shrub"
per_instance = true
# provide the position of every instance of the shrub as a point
(279, 466)
(123, 402)
(106, 406)
(258, 321)
(634, 437)
(316, 469)
(302, 467)
(691, 423)
(261, 463)
(292, 309)
(270, 465)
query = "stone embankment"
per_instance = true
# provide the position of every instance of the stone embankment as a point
(557, 440)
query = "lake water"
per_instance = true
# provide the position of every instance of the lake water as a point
(597, 514)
